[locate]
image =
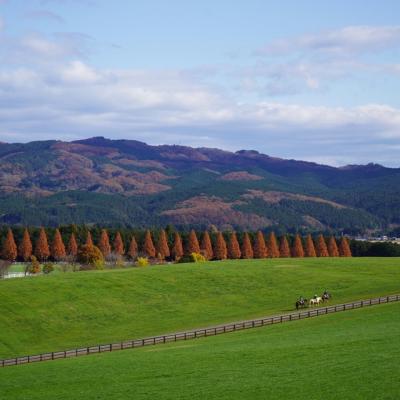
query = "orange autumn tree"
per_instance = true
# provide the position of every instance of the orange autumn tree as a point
(310, 249)
(272, 245)
(25, 247)
(162, 246)
(148, 246)
(133, 248)
(297, 248)
(177, 249)
(220, 250)
(344, 248)
(332, 247)
(118, 245)
(58, 248)
(284, 249)
(72, 246)
(192, 243)
(89, 240)
(322, 250)
(9, 251)
(104, 243)
(233, 247)
(206, 246)
(260, 249)
(247, 249)
(42, 250)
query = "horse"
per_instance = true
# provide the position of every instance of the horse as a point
(326, 296)
(301, 303)
(317, 301)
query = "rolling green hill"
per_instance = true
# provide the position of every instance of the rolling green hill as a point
(129, 183)
(50, 313)
(338, 356)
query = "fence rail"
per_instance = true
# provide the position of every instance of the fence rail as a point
(199, 333)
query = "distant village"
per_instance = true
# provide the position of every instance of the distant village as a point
(378, 239)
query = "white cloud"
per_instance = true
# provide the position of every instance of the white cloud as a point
(314, 62)
(48, 91)
(344, 41)
(78, 101)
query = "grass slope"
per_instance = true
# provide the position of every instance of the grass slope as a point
(71, 310)
(339, 356)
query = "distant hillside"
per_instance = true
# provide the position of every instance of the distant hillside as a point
(126, 182)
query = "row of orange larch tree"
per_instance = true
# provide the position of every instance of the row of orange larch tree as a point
(224, 246)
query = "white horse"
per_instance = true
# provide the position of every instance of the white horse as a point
(317, 301)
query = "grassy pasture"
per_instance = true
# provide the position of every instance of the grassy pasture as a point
(338, 356)
(61, 311)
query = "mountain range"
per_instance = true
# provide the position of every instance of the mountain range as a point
(131, 183)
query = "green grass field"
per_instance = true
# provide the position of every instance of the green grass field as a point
(61, 311)
(352, 355)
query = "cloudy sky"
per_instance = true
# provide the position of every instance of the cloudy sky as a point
(313, 80)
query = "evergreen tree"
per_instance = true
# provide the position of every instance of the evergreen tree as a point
(192, 244)
(72, 246)
(133, 248)
(25, 247)
(148, 246)
(260, 249)
(220, 251)
(9, 252)
(206, 246)
(58, 247)
(104, 243)
(344, 248)
(273, 249)
(89, 240)
(119, 245)
(322, 250)
(162, 245)
(297, 249)
(247, 249)
(310, 249)
(332, 247)
(284, 249)
(233, 247)
(177, 249)
(42, 250)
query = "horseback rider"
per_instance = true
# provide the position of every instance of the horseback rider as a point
(315, 296)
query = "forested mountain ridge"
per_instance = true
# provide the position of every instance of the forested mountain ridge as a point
(127, 182)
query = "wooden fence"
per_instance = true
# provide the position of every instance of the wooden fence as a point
(198, 333)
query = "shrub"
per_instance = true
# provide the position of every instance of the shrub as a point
(192, 258)
(33, 267)
(142, 262)
(47, 268)
(91, 257)
(197, 257)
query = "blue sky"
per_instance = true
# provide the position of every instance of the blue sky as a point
(312, 80)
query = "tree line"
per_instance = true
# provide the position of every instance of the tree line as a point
(164, 244)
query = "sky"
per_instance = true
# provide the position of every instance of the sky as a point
(311, 80)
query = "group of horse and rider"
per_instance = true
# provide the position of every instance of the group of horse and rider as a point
(315, 301)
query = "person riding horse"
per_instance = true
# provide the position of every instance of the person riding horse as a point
(301, 302)
(326, 296)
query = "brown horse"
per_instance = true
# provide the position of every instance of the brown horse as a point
(301, 303)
